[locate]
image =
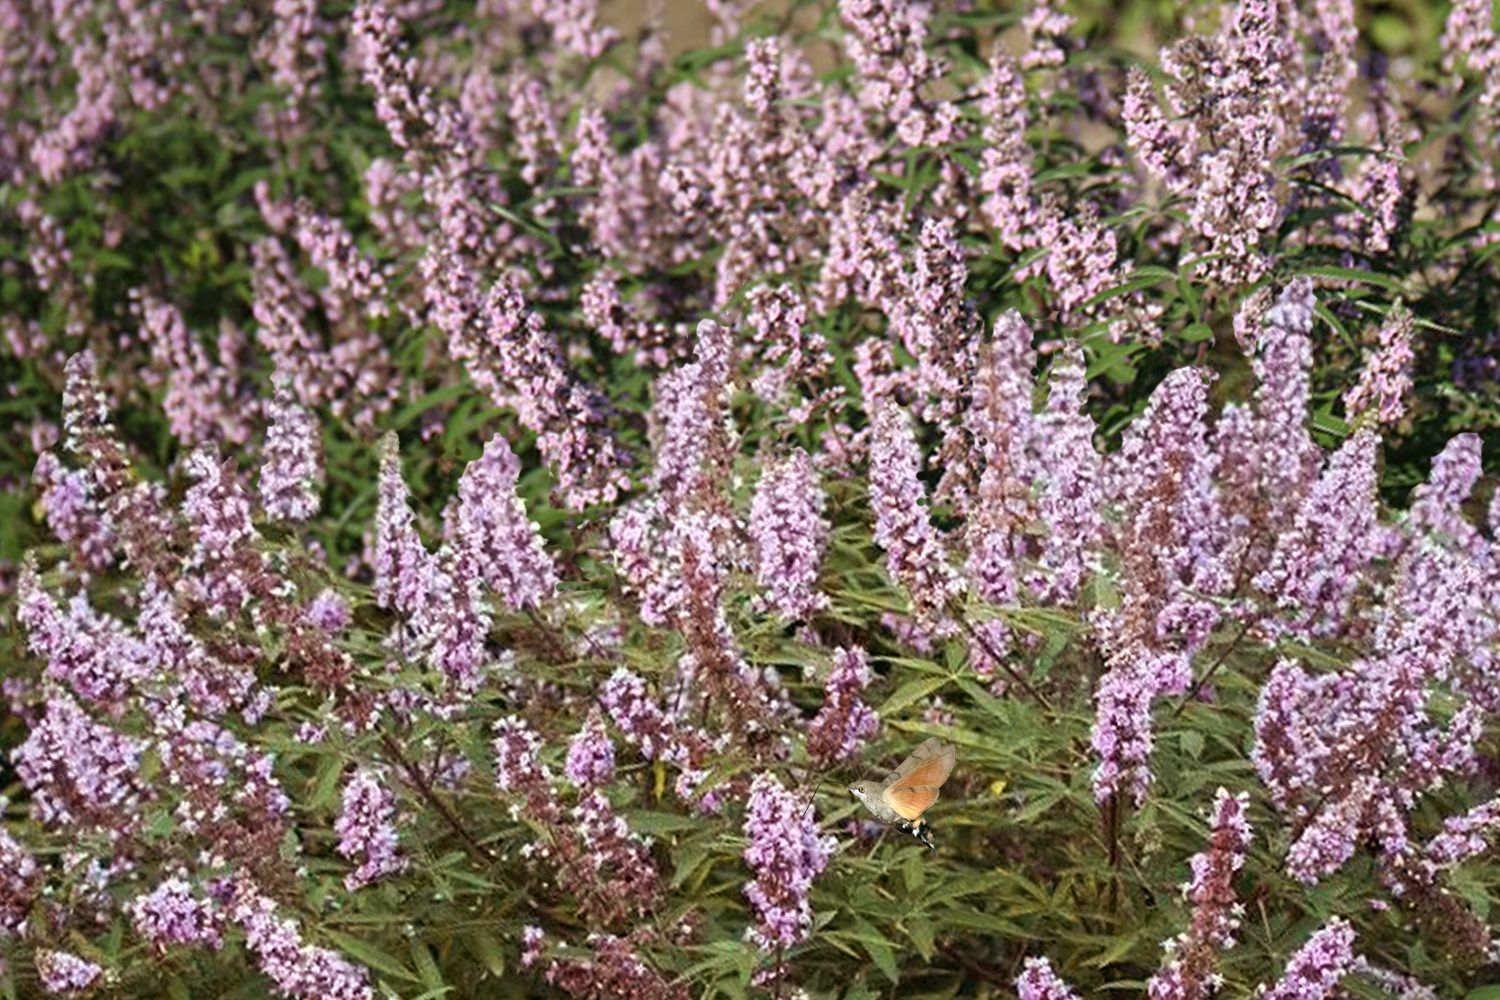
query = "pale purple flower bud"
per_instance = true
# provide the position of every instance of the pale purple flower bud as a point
(575, 26)
(1122, 735)
(329, 611)
(217, 512)
(1046, 29)
(298, 971)
(691, 411)
(1000, 423)
(532, 941)
(20, 883)
(453, 619)
(1005, 178)
(200, 398)
(80, 773)
(1386, 381)
(787, 854)
(295, 48)
(1070, 471)
(1319, 562)
(1436, 505)
(1282, 361)
(1188, 973)
(67, 497)
(1164, 147)
(789, 349)
(1463, 837)
(91, 652)
(401, 561)
(1171, 539)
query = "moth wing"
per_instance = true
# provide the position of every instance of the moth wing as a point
(913, 787)
(928, 750)
(912, 801)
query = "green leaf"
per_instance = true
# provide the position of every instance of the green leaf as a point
(909, 694)
(432, 977)
(920, 930)
(362, 951)
(484, 946)
(656, 823)
(1353, 274)
(878, 947)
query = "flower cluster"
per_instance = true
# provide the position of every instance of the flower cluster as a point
(787, 854)
(367, 831)
(484, 464)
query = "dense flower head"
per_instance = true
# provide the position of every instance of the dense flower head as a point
(1282, 359)
(93, 653)
(366, 829)
(400, 559)
(217, 512)
(787, 854)
(916, 556)
(490, 526)
(65, 974)
(297, 970)
(1386, 382)
(1123, 733)
(72, 513)
(20, 882)
(1317, 968)
(79, 771)
(173, 914)
(1070, 470)
(591, 754)
(1319, 561)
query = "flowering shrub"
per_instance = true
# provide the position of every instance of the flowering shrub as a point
(484, 481)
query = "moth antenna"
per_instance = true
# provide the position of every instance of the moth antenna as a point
(812, 800)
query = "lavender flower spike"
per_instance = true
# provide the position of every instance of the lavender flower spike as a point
(292, 470)
(789, 533)
(401, 561)
(1188, 972)
(367, 831)
(787, 854)
(492, 530)
(64, 974)
(916, 557)
(845, 721)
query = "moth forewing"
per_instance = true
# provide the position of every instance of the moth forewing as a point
(913, 787)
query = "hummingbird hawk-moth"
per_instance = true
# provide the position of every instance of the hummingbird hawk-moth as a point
(909, 790)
